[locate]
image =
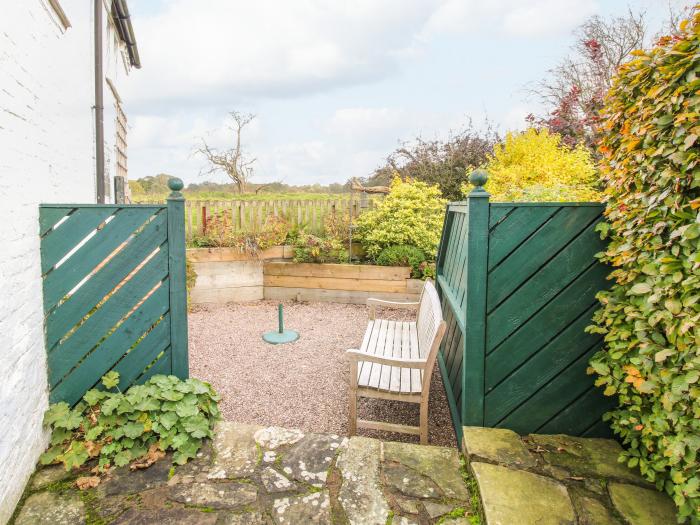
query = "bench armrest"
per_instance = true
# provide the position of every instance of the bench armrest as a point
(357, 355)
(373, 303)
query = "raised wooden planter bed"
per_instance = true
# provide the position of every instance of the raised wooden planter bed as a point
(338, 283)
(229, 275)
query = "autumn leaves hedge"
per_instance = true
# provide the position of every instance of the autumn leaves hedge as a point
(651, 316)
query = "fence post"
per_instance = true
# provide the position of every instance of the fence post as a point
(473, 363)
(177, 272)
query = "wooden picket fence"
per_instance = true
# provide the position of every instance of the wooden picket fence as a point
(250, 215)
(518, 284)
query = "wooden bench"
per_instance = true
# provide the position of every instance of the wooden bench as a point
(396, 361)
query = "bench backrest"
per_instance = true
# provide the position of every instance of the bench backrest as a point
(430, 326)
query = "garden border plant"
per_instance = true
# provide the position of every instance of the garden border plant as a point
(137, 426)
(650, 317)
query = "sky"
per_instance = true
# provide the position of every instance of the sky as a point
(335, 85)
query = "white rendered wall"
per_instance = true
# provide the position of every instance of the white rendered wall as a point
(46, 155)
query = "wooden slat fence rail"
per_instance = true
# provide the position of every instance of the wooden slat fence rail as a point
(517, 283)
(114, 293)
(250, 215)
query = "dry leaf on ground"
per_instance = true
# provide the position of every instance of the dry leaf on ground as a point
(153, 455)
(87, 482)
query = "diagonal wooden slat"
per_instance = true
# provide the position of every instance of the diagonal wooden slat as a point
(518, 226)
(132, 365)
(576, 418)
(162, 366)
(49, 217)
(64, 356)
(102, 359)
(529, 257)
(536, 372)
(65, 316)
(64, 278)
(497, 213)
(537, 291)
(63, 239)
(554, 397)
(521, 343)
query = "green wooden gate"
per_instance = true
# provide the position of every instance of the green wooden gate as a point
(114, 293)
(518, 284)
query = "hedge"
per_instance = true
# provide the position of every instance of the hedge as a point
(651, 314)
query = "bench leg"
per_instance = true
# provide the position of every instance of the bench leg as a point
(352, 413)
(424, 422)
(352, 417)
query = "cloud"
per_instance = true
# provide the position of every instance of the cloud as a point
(237, 50)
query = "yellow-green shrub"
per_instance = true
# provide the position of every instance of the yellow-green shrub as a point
(650, 317)
(411, 214)
(535, 166)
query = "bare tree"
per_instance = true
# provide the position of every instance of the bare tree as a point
(233, 162)
(574, 90)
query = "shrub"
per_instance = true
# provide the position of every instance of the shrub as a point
(535, 166)
(650, 315)
(411, 214)
(403, 255)
(136, 426)
(221, 234)
(311, 248)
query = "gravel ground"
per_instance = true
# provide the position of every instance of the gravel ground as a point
(302, 384)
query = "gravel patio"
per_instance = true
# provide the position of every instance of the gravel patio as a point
(302, 384)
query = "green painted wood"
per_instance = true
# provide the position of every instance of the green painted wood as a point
(476, 292)
(537, 371)
(102, 359)
(542, 327)
(132, 365)
(76, 227)
(528, 371)
(545, 284)
(451, 402)
(65, 316)
(442, 248)
(554, 397)
(579, 416)
(163, 366)
(599, 429)
(178, 291)
(498, 214)
(64, 278)
(529, 257)
(511, 233)
(49, 217)
(88, 335)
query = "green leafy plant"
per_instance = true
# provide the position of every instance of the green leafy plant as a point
(535, 165)
(412, 213)
(220, 233)
(403, 255)
(136, 426)
(311, 248)
(650, 317)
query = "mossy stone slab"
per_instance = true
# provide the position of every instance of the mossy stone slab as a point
(437, 463)
(593, 512)
(235, 451)
(640, 506)
(48, 508)
(496, 445)
(588, 457)
(511, 496)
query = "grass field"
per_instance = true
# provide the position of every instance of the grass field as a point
(225, 196)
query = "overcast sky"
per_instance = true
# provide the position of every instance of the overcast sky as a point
(335, 84)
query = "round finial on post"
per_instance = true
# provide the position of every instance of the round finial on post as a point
(478, 178)
(175, 184)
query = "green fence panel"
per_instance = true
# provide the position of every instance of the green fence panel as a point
(517, 283)
(114, 293)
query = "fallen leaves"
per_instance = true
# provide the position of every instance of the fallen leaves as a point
(153, 455)
(87, 482)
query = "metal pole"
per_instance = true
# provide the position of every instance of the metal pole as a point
(99, 107)
(281, 320)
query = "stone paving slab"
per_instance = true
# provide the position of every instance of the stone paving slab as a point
(558, 479)
(252, 475)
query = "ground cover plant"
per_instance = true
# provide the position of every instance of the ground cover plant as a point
(403, 255)
(650, 317)
(137, 426)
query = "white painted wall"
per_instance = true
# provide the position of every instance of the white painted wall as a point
(46, 155)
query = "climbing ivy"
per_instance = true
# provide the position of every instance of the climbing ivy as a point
(135, 427)
(650, 317)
